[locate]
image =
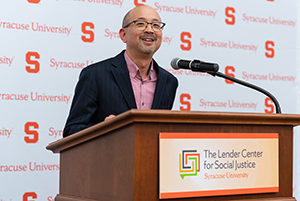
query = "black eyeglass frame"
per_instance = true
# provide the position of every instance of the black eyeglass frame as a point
(151, 23)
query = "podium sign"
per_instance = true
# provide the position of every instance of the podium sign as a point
(212, 164)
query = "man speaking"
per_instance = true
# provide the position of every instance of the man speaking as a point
(130, 80)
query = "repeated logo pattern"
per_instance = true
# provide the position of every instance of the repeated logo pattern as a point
(44, 56)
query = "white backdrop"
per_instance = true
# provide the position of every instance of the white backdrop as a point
(45, 43)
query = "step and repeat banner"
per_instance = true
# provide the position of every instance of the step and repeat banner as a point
(46, 43)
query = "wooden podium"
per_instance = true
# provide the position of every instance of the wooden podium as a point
(117, 160)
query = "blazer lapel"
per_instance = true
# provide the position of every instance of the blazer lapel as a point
(121, 75)
(159, 89)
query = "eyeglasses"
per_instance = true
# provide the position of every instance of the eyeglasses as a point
(142, 25)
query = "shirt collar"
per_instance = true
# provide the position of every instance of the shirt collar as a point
(134, 70)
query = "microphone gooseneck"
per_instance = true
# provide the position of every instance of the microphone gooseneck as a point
(212, 69)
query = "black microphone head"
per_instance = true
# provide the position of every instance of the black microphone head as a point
(216, 67)
(174, 63)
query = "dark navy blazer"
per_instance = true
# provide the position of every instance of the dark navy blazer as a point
(104, 88)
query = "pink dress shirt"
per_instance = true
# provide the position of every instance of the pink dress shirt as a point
(143, 89)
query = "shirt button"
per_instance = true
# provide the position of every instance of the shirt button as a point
(142, 103)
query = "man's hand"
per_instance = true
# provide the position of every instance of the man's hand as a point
(109, 117)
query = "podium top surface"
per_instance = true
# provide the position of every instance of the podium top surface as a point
(178, 117)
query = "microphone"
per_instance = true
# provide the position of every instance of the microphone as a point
(194, 65)
(212, 69)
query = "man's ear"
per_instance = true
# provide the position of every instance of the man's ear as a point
(122, 34)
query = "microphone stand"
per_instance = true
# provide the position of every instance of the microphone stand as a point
(278, 110)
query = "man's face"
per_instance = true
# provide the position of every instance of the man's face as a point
(145, 41)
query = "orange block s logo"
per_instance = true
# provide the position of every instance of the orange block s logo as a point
(229, 71)
(29, 131)
(185, 102)
(137, 2)
(27, 195)
(34, 1)
(91, 35)
(270, 51)
(269, 106)
(188, 42)
(229, 12)
(36, 65)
